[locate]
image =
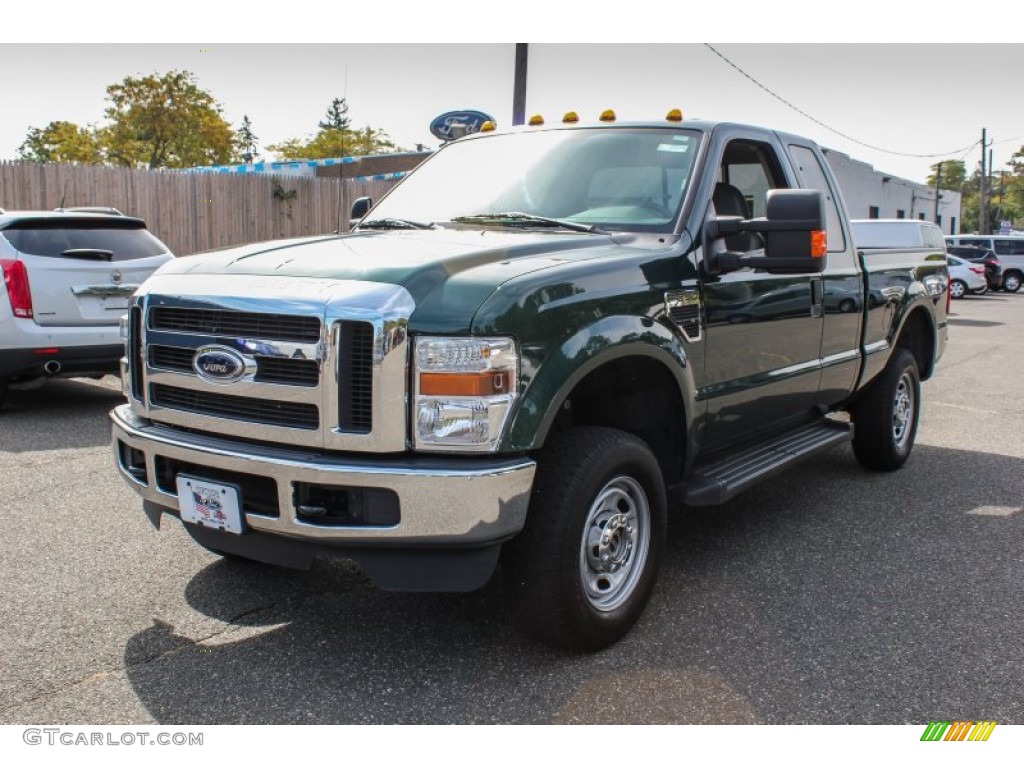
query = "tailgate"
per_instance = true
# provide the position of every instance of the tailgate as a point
(74, 292)
(84, 272)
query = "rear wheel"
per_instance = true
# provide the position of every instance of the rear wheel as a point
(957, 288)
(583, 568)
(1011, 282)
(885, 418)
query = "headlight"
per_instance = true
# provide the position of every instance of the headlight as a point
(465, 388)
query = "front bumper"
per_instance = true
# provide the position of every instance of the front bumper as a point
(453, 512)
(442, 501)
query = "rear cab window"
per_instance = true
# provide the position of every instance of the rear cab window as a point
(813, 176)
(92, 239)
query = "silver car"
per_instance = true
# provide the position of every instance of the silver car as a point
(965, 277)
(68, 277)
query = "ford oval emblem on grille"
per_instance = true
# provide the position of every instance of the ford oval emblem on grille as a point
(220, 365)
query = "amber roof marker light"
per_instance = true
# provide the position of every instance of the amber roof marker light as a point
(608, 116)
(570, 117)
(536, 120)
(674, 116)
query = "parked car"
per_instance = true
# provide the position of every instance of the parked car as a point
(1009, 249)
(983, 256)
(965, 277)
(68, 277)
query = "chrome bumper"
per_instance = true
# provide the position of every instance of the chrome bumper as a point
(443, 501)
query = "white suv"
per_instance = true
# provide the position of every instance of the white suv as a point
(68, 277)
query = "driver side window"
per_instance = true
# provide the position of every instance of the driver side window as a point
(747, 171)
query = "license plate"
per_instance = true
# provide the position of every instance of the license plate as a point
(209, 503)
(116, 302)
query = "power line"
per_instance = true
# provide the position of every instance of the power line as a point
(792, 106)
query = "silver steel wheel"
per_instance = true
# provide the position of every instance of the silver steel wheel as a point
(903, 411)
(616, 539)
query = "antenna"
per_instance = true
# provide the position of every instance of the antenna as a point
(341, 165)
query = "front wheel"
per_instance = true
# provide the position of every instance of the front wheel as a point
(885, 418)
(1011, 282)
(583, 568)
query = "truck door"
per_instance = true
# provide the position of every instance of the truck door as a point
(844, 299)
(761, 356)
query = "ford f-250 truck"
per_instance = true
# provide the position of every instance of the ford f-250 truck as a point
(528, 350)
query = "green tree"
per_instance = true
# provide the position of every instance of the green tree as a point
(61, 142)
(246, 140)
(165, 121)
(336, 138)
(954, 172)
(337, 117)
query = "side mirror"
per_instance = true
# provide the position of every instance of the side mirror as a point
(794, 233)
(797, 231)
(360, 208)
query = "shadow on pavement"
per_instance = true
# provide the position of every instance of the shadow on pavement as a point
(827, 595)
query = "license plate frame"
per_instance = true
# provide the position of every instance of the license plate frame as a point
(210, 503)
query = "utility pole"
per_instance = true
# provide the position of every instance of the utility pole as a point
(519, 85)
(938, 182)
(983, 188)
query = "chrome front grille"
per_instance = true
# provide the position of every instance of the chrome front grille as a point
(252, 409)
(269, 370)
(317, 363)
(218, 322)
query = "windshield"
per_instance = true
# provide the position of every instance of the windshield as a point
(614, 178)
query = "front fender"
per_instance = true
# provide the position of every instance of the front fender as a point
(607, 339)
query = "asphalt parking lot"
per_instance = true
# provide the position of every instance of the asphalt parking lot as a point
(826, 595)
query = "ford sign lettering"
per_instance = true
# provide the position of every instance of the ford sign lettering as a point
(455, 125)
(219, 365)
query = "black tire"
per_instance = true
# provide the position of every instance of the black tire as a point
(574, 582)
(885, 418)
(1011, 282)
(847, 305)
(957, 289)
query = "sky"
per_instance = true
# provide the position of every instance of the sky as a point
(901, 98)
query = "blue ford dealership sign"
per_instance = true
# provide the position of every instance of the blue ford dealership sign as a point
(453, 125)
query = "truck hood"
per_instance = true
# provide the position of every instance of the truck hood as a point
(448, 273)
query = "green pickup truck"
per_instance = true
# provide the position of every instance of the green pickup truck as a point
(528, 352)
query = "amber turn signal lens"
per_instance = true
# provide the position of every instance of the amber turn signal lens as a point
(465, 384)
(819, 243)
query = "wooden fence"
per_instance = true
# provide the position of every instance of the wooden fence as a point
(192, 212)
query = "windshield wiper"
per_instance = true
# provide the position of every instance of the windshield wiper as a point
(518, 217)
(393, 224)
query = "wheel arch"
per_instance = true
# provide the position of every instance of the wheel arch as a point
(917, 334)
(636, 378)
